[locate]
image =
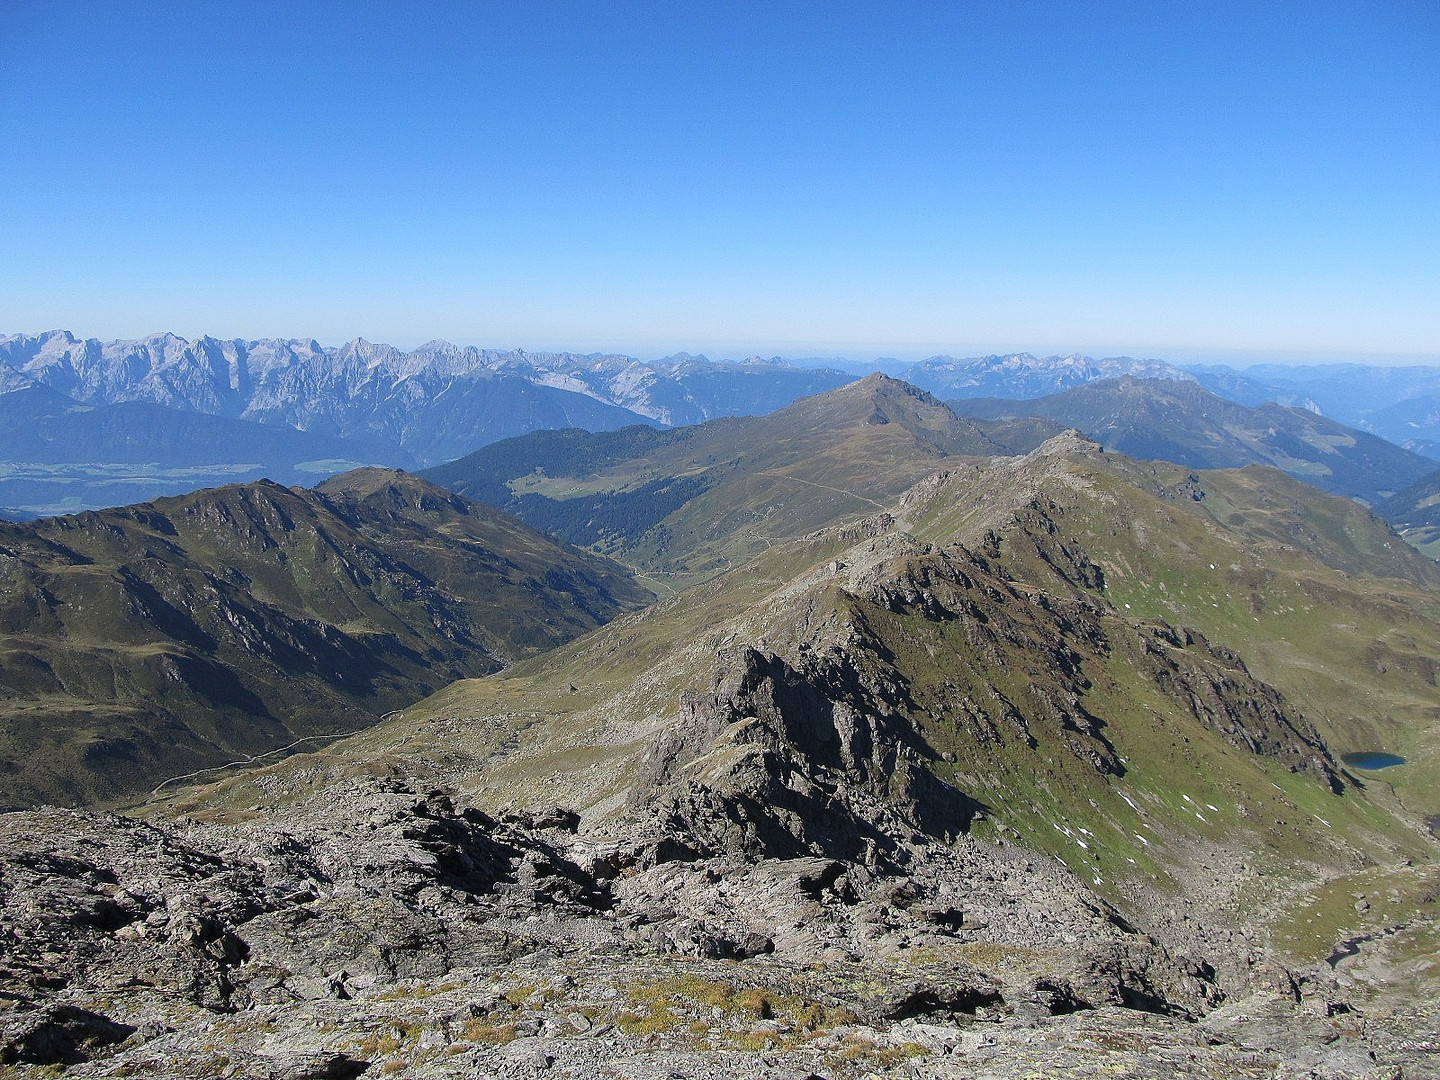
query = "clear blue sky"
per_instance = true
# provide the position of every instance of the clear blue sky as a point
(1189, 180)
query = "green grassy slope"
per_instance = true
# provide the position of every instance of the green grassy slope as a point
(141, 642)
(687, 504)
(1317, 595)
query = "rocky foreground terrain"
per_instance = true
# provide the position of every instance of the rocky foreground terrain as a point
(387, 931)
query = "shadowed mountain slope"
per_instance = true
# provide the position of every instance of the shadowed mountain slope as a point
(1185, 423)
(142, 642)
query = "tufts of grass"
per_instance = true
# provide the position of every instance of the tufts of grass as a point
(415, 991)
(1322, 917)
(863, 1050)
(691, 1004)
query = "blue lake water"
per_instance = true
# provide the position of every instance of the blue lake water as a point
(1372, 759)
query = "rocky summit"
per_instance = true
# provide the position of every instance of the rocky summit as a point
(1033, 765)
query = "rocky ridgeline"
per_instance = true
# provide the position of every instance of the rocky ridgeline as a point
(385, 929)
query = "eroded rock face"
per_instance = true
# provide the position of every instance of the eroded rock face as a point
(1219, 691)
(104, 902)
(830, 747)
(779, 761)
(363, 895)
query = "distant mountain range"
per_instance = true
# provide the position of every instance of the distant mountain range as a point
(1021, 375)
(1399, 403)
(436, 402)
(127, 410)
(1156, 419)
(88, 424)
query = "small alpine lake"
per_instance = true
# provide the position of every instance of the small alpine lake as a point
(1372, 759)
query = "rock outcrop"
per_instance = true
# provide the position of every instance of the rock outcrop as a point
(377, 926)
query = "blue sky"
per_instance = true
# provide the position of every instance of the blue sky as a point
(1186, 180)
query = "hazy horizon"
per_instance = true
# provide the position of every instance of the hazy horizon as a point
(894, 357)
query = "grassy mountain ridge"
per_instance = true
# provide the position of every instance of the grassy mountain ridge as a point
(1315, 593)
(687, 504)
(1065, 650)
(148, 640)
(1185, 423)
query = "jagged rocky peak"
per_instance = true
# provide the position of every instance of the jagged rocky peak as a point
(435, 403)
(782, 761)
(1068, 442)
(368, 353)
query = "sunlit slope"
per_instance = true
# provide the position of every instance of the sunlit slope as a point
(685, 505)
(1137, 752)
(1317, 595)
